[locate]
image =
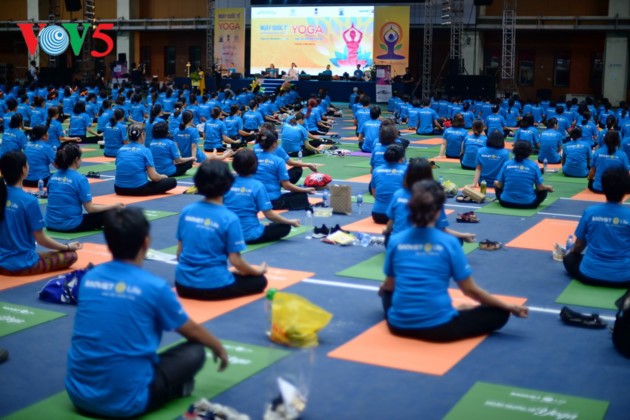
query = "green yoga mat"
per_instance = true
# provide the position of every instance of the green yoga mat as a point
(14, 318)
(577, 293)
(355, 163)
(99, 167)
(68, 236)
(367, 198)
(497, 402)
(495, 208)
(245, 361)
(87, 153)
(559, 177)
(189, 174)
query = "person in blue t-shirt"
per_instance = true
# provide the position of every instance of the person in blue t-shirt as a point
(528, 132)
(166, 156)
(588, 127)
(215, 133)
(520, 183)
(358, 73)
(607, 156)
(81, 123)
(295, 138)
(104, 116)
(490, 159)
(469, 116)
(601, 253)
(22, 226)
(564, 125)
(38, 115)
(362, 113)
(471, 146)
(155, 116)
(69, 193)
(576, 155)
(495, 121)
(134, 163)
(39, 155)
(551, 142)
(454, 138)
(428, 120)
(387, 135)
(113, 368)
(369, 130)
(248, 196)
(56, 134)
(234, 127)
(209, 235)
(272, 172)
(138, 110)
(115, 134)
(13, 138)
(419, 265)
(386, 180)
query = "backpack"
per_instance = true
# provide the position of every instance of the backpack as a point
(621, 330)
(64, 288)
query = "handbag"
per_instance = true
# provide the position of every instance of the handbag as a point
(341, 199)
(64, 288)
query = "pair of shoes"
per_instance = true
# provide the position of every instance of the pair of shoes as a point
(488, 245)
(468, 217)
(320, 232)
(337, 228)
(577, 319)
(463, 199)
(558, 252)
(93, 174)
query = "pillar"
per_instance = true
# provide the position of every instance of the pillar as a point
(32, 13)
(616, 56)
(125, 41)
(472, 52)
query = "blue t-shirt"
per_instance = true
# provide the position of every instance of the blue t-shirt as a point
(602, 161)
(293, 137)
(246, 198)
(208, 233)
(472, 144)
(362, 116)
(378, 155)
(413, 118)
(233, 124)
(426, 116)
(137, 112)
(606, 230)
(454, 138)
(494, 122)
(68, 190)
(55, 130)
(386, 180)
(491, 161)
(114, 138)
(79, 124)
(469, 119)
(214, 130)
(510, 115)
(398, 212)
(164, 152)
(39, 156)
(13, 139)
(550, 143)
(148, 128)
(117, 330)
(423, 261)
(185, 139)
(132, 161)
(589, 132)
(103, 120)
(280, 152)
(252, 120)
(271, 172)
(38, 116)
(577, 157)
(370, 131)
(22, 217)
(530, 135)
(519, 180)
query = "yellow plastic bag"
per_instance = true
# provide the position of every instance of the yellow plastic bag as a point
(295, 321)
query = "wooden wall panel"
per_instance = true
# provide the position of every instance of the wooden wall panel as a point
(13, 10)
(181, 40)
(160, 9)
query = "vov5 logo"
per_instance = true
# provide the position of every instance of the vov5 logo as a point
(54, 40)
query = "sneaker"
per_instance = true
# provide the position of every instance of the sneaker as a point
(577, 319)
(338, 228)
(558, 252)
(320, 232)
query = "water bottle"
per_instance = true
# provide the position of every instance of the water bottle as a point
(364, 239)
(40, 188)
(483, 186)
(441, 180)
(309, 218)
(268, 303)
(300, 155)
(570, 243)
(545, 162)
(326, 198)
(359, 202)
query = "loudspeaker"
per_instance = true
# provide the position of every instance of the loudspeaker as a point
(483, 2)
(73, 5)
(471, 86)
(122, 58)
(236, 76)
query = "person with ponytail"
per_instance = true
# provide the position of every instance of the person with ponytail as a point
(80, 123)
(134, 163)
(577, 155)
(386, 180)
(168, 160)
(528, 132)
(209, 235)
(419, 265)
(176, 118)
(588, 127)
(39, 156)
(138, 110)
(55, 130)
(69, 193)
(13, 138)
(115, 134)
(154, 118)
(234, 127)
(104, 116)
(272, 172)
(609, 155)
(295, 138)
(22, 225)
(38, 114)
(454, 138)
(314, 119)
(215, 133)
(471, 146)
(495, 121)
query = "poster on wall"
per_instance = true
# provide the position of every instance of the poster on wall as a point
(383, 83)
(391, 37)
(229, 40)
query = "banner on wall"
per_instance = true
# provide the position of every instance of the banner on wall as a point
(229, 39)
(383, 83)
(391, 37)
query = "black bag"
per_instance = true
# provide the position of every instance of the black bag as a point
(621, 330)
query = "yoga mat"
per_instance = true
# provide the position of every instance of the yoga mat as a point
(202, 311)
(559, 177)
(349, 138)
(498, 402)
(366, 225)
(91, 253)
(99, 167)
(456, 171)
(361, 154)
(189, 173)
(364, 179)
(588, 195)
(495, 208)
(367, 198)
(245, 360)
(429, 142)
(99, 159)
(14, 318)
(295, 231)
(577, 293)
(543, 235)
(90, 153)
(377, 346)
(126, 200)
(363, 164)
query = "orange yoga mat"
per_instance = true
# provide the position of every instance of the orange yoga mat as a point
(544, 234)
(91, 253)
(588, 195)
(99, 159)
(377, 346)
(445, 159)
(366, 225)
(362, 178)
(261, 215)
(429, 142)
(202, 311)
(408, 131)
(115, 198)
(350, 138)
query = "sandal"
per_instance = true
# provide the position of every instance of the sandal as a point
(469, 217)
(93, 174)
(463, 199)
(488, 245)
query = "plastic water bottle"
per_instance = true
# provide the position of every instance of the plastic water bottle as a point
(483, 186)
(300, 155)
(441, 180)
(326, 198)
(359, 202)
(570, 243)
(364, 239)
(268, 303)
(545, 162)
(40, 188)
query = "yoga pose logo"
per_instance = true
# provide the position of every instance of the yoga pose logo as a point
(352, 37)
(391, 33)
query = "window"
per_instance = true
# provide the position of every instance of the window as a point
(597, 71)
(169, 61)
(526, 61)
(145, 59)
(194, 57)
(561, 69)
